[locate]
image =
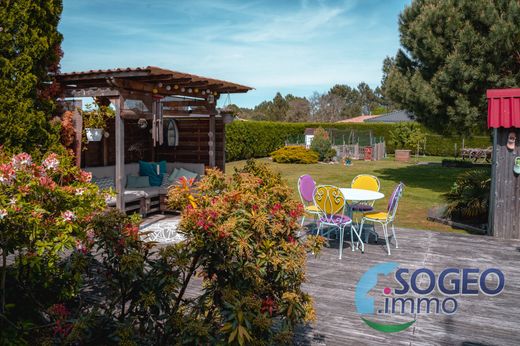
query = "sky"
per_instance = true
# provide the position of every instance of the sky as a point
(295, 47)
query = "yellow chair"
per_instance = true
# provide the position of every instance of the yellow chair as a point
(331, 205)
(365, 182)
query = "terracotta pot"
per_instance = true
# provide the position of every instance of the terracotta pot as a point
(402, 155)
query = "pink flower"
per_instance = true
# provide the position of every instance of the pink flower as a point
(81, 247)
(21, 160)
(51, 162)
(7, 173)
(47, 182)
(3, 213)
(68, 216)
(85, 177)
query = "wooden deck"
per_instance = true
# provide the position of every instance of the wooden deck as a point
(479, 320)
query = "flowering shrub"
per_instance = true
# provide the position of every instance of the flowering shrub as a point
(243, 236)
(44, 212)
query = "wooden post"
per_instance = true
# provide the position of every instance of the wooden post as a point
(120, 154)
(504, 197)
(211, 142)
(492, 192)
(77, 121)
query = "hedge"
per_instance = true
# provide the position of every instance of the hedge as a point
(247, 139)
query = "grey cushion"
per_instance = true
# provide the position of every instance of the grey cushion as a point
(130, 196)
(147, 192)
(137, 181)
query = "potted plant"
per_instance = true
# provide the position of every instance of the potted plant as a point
(94, 121)
(405, 137)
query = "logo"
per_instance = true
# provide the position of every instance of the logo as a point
(417, 292)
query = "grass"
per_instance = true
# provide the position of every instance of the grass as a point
(424, 184)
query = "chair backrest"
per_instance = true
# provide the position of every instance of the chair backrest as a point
(329, 200)
(306, 186)
(366, 182)
(393, 202)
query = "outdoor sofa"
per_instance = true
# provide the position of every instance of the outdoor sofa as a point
(144, 200)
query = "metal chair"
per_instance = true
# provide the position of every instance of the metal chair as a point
(365, 182)
(306, 186)
(331, 204)
(386, 218)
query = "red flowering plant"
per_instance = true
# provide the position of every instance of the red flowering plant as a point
(243, 237)
(45, 209)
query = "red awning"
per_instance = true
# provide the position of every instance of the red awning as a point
(503, 108)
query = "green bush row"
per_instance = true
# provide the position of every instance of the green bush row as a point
(247, 139)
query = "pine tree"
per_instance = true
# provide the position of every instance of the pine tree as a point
(453, 51)
(30, 55)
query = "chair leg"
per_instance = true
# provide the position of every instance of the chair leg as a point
(318, 230)
(352, 238)
(358, 235)
(341, 231)
(303, 220)
(385, 230)
(361, 229)
(395, 238)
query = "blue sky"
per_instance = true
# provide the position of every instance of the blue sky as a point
(293, 47)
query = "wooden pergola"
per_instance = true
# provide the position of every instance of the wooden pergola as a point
(154, 94)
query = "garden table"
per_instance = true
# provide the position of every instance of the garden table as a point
(360, 195)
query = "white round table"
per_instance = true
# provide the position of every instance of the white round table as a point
(358, 195)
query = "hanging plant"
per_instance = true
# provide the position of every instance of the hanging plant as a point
(95, 120)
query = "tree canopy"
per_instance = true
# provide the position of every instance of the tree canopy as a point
(29, 56)
(452, 52)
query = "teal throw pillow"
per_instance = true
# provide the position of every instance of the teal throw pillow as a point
(149, 169)
(187, 174)
(174, 176)
(137, 181)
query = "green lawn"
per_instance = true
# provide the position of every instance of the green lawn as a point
(424, 184)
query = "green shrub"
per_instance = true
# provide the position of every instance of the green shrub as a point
(251, 139)
(468, 199)
(321, 144)
(407, 136)
(295, 154)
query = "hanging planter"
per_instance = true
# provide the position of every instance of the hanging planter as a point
(93, 134)
(94, 121)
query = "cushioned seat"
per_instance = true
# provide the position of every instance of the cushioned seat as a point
(130, 196)
(337, 219)
(376, 216)
(312, 209)
(362, 207)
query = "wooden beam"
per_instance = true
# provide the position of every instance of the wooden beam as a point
(143, 87)
(93, 76)
(92, 92)
(120, 153)
(195, 103)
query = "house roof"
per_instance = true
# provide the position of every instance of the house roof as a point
(503, 108)
(358, 119)
(309, 131)
(171, 81)
(392, 117)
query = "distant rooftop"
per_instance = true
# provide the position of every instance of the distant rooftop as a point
(358, 119)
(393, 117)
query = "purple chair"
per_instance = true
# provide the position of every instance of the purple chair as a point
(386, 218)
(306, 186)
